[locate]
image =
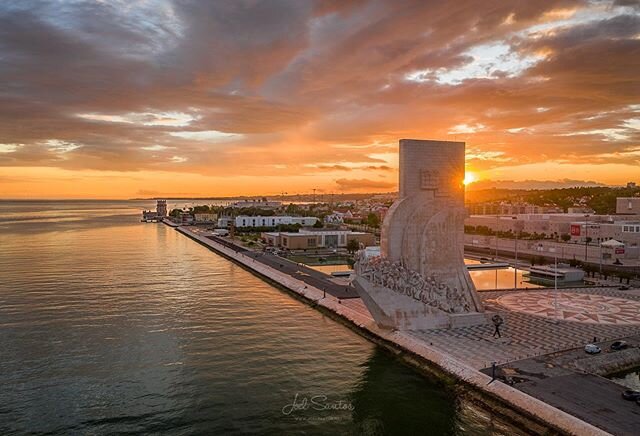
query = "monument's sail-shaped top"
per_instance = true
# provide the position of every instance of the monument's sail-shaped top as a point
(420, 280)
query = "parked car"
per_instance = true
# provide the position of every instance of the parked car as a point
(619, 345)
(592, 349)
(630, 395)
(623, 288)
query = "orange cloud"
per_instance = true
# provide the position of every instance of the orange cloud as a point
(166, 92)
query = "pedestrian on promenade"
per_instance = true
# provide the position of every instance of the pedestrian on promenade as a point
(497, 322)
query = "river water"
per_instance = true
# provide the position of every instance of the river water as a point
(108, 325)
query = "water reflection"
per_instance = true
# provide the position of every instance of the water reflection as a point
(131, 327)
(500, 279)
(483, 279)
(390, 401)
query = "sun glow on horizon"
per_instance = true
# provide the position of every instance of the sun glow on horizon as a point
(469, 177)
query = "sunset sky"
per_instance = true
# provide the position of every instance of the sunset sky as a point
(121, 99)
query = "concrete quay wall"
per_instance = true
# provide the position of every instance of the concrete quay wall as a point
(540, 417)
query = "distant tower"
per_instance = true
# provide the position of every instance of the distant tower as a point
(161, 208)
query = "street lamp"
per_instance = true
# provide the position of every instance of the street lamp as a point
(555, 282)
(586, 237)
(518, 227)
(496, 258)
(600, 243)
(497, 227)
(515, 265)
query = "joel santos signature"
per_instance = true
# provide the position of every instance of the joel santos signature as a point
(316, 402)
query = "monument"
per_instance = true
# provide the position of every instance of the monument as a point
(419, 280)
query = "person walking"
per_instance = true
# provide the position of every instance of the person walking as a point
(497, 322)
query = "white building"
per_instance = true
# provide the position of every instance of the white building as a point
(549, 224)
(334, 218)
(628, 205)
(225, 222)
(627, 232)
(266, 221)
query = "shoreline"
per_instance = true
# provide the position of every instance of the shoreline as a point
(522, 410)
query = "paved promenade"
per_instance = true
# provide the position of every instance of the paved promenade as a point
(302, 272)
(451, 357)
(525, 334)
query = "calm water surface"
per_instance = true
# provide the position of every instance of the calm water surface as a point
(108, 325)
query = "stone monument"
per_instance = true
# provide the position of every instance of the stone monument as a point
(419, 280)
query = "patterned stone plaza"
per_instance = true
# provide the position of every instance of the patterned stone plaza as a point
(533, 326)
(574, 306)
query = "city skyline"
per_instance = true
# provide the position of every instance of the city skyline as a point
(160, 98)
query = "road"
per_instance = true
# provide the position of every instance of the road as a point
(301, 272)
(556, 380)
(591, 398)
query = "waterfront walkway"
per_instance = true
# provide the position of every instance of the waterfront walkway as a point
(453, 351)
(527, 335)
(302, 272)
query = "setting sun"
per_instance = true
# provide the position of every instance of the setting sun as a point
(469, 178)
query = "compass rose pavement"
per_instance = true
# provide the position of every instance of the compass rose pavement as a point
(577, 307)
(531, 327)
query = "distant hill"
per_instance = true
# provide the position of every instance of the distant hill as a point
(602, 199)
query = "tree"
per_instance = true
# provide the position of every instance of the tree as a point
(318, 224)
(373, 220)
(589, 269)
(293, 209)
(353, 246)
(201, 209)
(565, 237)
